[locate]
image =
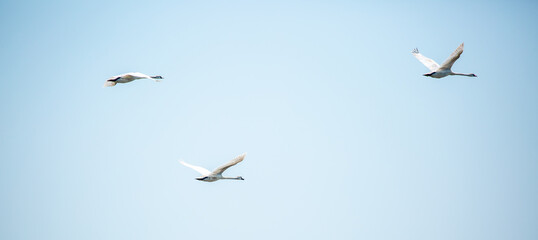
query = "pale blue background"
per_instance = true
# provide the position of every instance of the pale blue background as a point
(345, 137)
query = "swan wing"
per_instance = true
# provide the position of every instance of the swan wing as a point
(452, 58)
(234, 161)
(138, 75)
(430, 64)
(201, 170)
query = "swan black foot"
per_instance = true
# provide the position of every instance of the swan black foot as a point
(428, 74)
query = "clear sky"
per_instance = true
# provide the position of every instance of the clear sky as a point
(345, 137)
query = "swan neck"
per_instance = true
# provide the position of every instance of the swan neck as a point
(463, 74)
(233, 178)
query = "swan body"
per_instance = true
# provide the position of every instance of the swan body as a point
(129, 77)
(445, 69)
(208, 176)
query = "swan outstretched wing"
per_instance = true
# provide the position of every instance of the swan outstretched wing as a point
(430, 64)
(453, 57)
(201, 170)
(234, 161)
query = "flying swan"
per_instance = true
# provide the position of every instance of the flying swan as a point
(129, 77)
(443, 70)
(208, 176)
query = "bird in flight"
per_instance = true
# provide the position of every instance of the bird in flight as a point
(129, 77)
(445, 69)
(208, 176)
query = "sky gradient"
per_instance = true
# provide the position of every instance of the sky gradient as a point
(345, 137)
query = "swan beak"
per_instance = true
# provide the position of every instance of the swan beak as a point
(241, 178)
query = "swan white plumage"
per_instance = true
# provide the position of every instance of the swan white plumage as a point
(445, 68)
(129, 77)
(208, 176)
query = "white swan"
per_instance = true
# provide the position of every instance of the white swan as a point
(443, 70)
(208, 176)
(129, 77)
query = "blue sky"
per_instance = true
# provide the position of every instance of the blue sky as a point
(345, 137)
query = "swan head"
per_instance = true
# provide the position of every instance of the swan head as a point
(240, 178)
(473, 75)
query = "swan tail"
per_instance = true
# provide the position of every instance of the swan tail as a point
(109, 84)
